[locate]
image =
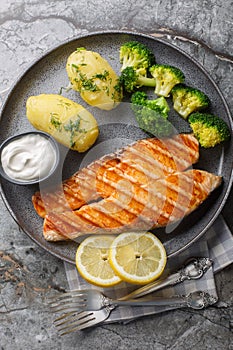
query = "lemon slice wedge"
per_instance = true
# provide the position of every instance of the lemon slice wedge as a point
(92, 261)
(137, 258)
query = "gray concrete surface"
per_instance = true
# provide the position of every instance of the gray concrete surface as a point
(28, 275)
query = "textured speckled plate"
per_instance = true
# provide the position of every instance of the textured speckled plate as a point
(48, 75)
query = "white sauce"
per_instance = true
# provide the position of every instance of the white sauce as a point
(28, 158)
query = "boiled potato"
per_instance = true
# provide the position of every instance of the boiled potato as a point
(92, 76)
(68, 122)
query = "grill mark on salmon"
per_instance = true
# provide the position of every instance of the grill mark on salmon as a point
(169, 200)
(136, 163)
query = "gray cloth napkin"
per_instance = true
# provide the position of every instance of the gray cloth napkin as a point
(217, 244)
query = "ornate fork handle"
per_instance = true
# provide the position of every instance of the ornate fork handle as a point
(194, 269)
(195, 300)
(199, 300)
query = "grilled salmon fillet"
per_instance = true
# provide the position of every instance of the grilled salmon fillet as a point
(140, 163)
(158, 203)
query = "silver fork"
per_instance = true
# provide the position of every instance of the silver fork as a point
(76, 321)
(91, 300)
(193, 269)
(101, 306)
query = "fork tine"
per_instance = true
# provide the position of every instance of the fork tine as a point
(90, 323)
(79, 327)
(85, 320)
(68, 307)
(74, 322)
(66, 316)
(70, 293)
(66, 301)
(67, 296)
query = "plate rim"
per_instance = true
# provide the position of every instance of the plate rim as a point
(130, 33)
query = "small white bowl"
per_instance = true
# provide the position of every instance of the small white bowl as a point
(53, 143)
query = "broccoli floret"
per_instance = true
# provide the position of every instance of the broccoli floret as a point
(131, 79)
(166, 78)
(154, 123)
(160, 104)
(136, 55)
(139, 98)
(187, 100)
(151, 115)
(209, 129)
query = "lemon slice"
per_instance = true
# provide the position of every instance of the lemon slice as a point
(137, 258)
(92, 261)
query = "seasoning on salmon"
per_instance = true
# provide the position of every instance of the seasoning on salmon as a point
(134, 207)
(140, 163)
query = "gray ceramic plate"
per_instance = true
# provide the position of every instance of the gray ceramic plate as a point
(48, 75)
